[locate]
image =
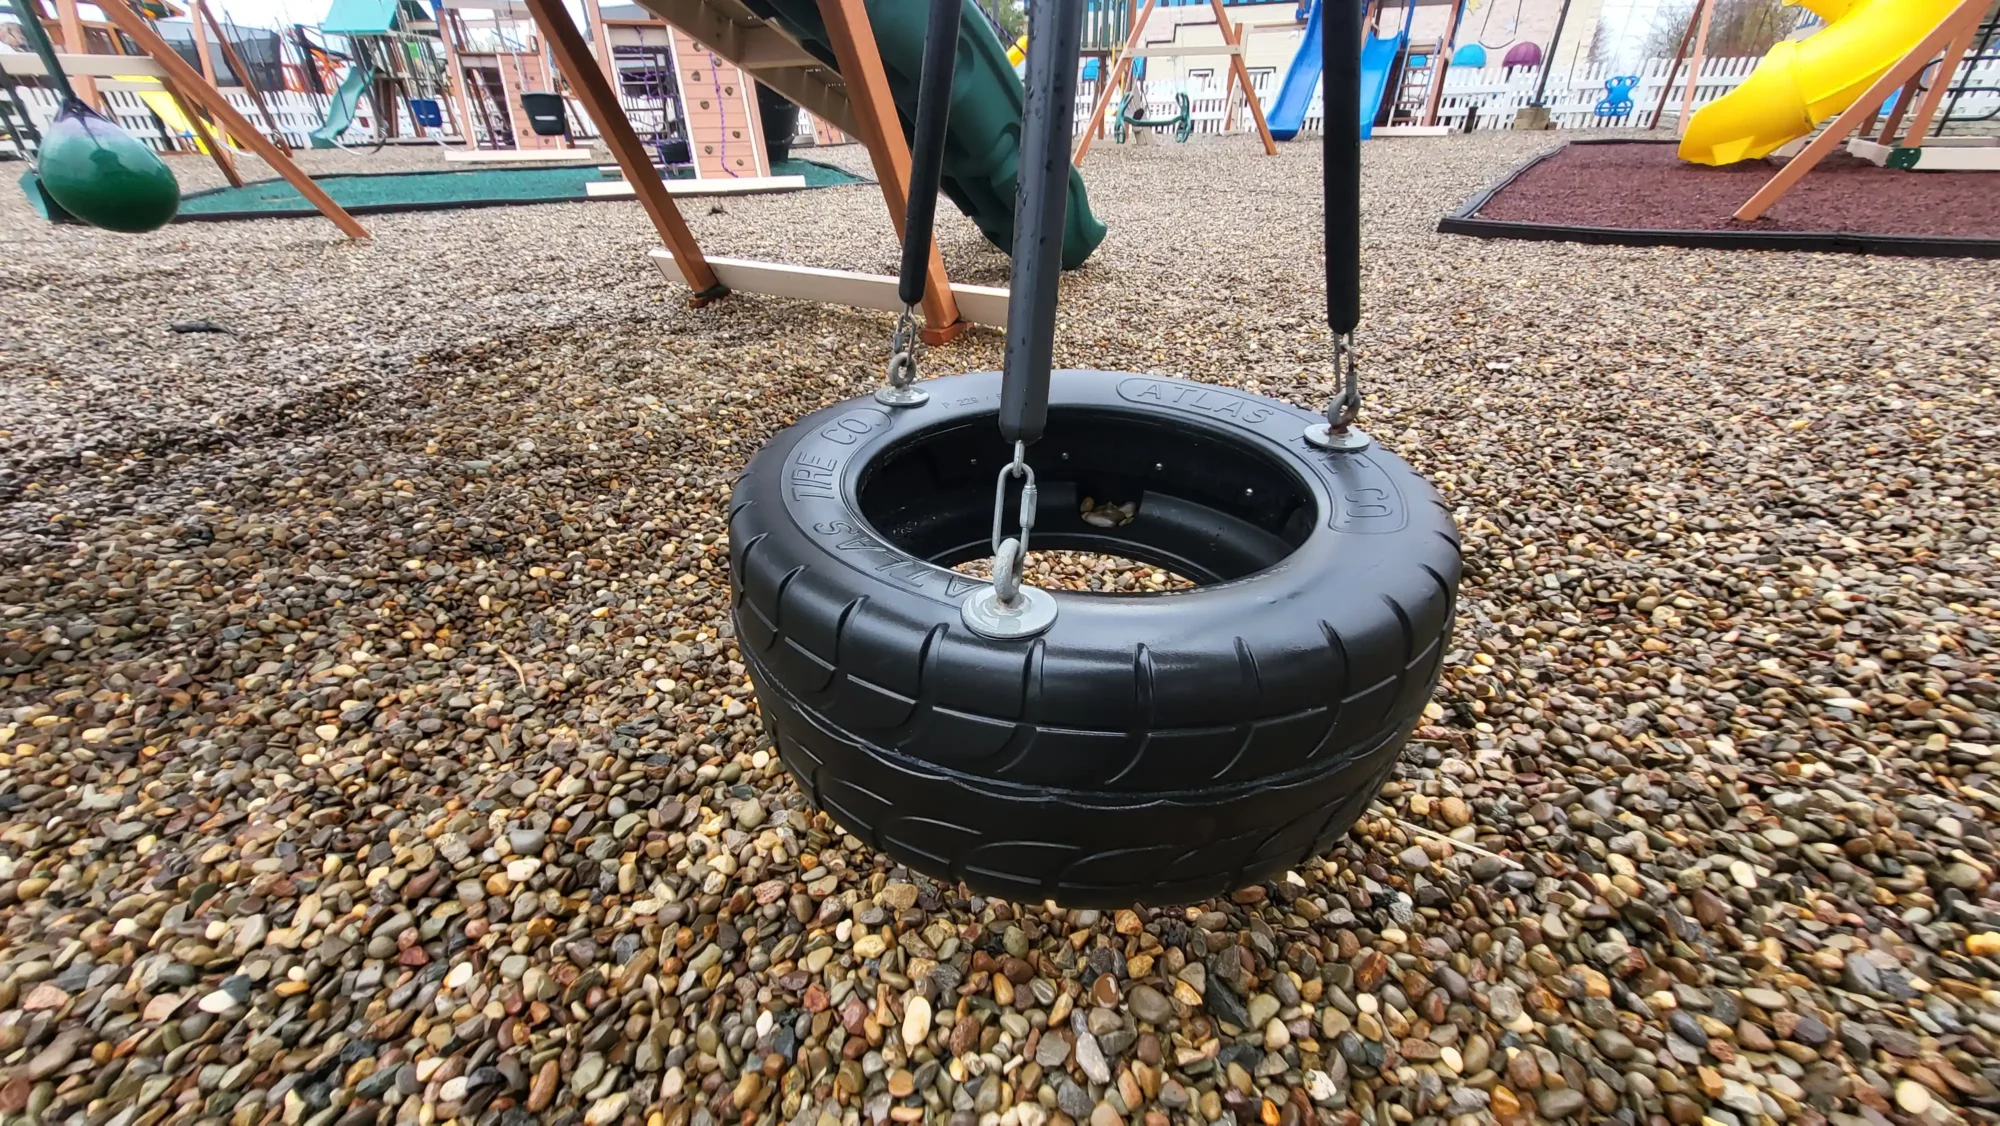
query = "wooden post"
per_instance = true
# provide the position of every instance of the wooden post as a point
(1231, 37)
(1694, 66)
(206, 137)
(1961, 21)
(201, 52)
(1439, 64)
(573, 56)
(1249, 92)
(73, 39)
(235, 62)
(1112, 73)
(853, 39)
(1673, 68)
(183, 75)
(600, 38)
(1893, 120)
(450, 27)
(1920, 122)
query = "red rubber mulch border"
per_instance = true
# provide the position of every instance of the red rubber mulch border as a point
(1601, 219)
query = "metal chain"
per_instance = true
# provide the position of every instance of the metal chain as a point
(1338, 432)
(902, 373)
(1010, 555)
(1346, 407)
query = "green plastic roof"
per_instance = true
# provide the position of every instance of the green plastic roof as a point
(360, 17)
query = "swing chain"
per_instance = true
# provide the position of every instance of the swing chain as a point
(903, 365)
(1338, 432)
(1010, 555)
(1010, 608)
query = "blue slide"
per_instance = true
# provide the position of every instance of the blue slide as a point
(1378, 58)
(1288, 114)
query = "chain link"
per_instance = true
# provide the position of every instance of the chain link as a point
(902, 350)
(1010, 554)
(1346, 406)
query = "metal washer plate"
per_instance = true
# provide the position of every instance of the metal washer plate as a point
(987, 616)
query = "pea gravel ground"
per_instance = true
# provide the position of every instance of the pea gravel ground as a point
(373, 748)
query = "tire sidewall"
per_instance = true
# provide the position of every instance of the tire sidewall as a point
(1359, 496)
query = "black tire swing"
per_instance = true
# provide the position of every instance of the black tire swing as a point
(1097, 750)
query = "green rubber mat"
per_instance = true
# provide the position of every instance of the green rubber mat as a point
(379, 192)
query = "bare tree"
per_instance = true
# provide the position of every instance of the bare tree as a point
(1739, 27)
(1009, 14)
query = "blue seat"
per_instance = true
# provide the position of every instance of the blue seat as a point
(1617, 100)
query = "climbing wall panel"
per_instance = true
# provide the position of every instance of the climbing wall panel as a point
(534, 72)
(721, 104)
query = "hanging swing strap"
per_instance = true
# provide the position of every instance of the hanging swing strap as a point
(1055, 35)
(1340, 180)
(926, 167)
(1011, 608)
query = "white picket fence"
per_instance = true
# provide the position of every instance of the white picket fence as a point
(1497, 93)
(1572, 96)
(1205, 102)
(298, 115)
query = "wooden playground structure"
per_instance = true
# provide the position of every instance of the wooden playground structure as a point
(1947, 44)
(1116, 77)
(854, 98)
(196, 92)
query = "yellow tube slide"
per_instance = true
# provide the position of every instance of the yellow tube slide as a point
(168, 111)
(1803, 82)
(1018, 53)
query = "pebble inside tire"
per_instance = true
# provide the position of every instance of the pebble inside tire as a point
(1159, 748)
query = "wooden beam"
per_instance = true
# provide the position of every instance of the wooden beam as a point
(74, 42)
(235, 62)
(183, 75)
(764, 49)
(1694, 65)
(1249, 91)
(29, 65)
(1893, 120)
(980, 304)
(600, 39)
(1109, 78)
(1440, 64)
(601, 102)
(853, 39)
(450, 29)
(745, 185)
(1942, 154)
(206, 137)
(1920, 122)
(201, 53)
(1234, 37)
(1966, 15)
